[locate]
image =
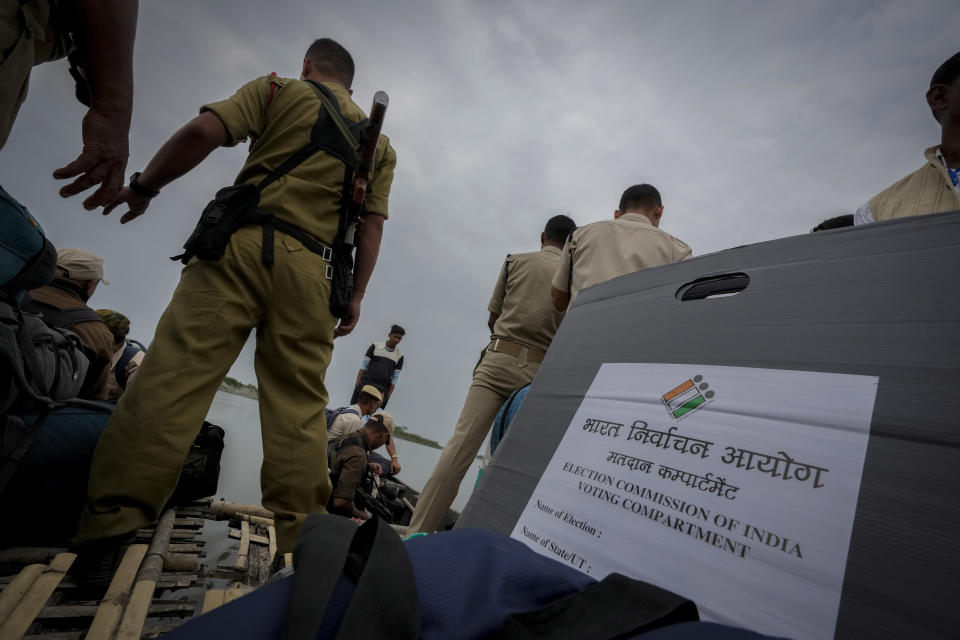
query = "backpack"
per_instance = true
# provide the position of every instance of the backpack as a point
(331, 414)
(362, 582)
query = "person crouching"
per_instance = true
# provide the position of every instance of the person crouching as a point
(350, 463)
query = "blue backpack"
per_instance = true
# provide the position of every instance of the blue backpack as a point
(363, 582)
(27, 259)
(331, 414)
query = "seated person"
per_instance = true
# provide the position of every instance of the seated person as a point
(350, 463)
(351, 420)
(63, 304)
(127, 355)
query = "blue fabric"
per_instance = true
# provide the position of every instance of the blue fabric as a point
(505, 416)
(22, 237)
(47, 491)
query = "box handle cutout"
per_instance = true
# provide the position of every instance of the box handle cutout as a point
(727, 284)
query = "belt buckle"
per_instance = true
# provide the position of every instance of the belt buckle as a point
(327, 255)
(329, 274)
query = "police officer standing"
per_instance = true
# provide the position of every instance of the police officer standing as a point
(218, 302)
(630, 242)
(522, 323)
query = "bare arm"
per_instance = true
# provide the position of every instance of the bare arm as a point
(182, 152)
(105, 34)
(368, 248)
(359, 378)
(394, 458)
(492, 320)
(561, 299)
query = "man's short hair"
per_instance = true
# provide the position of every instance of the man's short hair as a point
(398, 329)
(640, 196)
(330, 58)
(948, 72)
(559, 228)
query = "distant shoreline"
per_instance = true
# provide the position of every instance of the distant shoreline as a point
(237, 388)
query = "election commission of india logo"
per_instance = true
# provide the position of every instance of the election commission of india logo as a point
(691, 395)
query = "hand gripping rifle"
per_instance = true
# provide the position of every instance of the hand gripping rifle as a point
(368, 147)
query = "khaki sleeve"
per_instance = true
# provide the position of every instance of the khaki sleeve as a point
(561, 279)
(352, 463)
(378, 191)
(499, 290)
(681, 251)
(244, 113)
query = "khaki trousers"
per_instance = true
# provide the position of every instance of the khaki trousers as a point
(139, 457)
(497, 376)
(27, 38)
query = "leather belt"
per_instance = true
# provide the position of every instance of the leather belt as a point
(502, 345)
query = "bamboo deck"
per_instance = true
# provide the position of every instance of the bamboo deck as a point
(163, 581)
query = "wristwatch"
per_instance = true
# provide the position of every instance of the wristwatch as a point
(141, 190)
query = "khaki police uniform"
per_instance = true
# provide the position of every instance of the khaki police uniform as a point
(95, 336)
(28, 37)
(521, 336)
(213, 310)
(610, 248)
(929, 189)
(350, 465)
(345, 423)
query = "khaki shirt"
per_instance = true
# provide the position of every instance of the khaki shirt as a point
(309, 196)
(95, 336)
(611, 248)
(345, 424)
(351, 464)
(522, 299)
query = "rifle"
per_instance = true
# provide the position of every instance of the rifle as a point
(361, 177)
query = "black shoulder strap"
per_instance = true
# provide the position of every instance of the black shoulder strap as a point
(615, 607)
(384, 603)
(60, 318)
(506, 270)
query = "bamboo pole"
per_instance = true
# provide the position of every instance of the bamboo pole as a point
(135, 614)
(33, 600)
(180, 562)
(407, 503)
(236, 534)
(272, 537)
(266, 522)
(118, 594)
(226, 510)
(213, 599)
(13, 593)
(244, 545)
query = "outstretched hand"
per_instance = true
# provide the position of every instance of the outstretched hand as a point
(102, 160)
(136, 205)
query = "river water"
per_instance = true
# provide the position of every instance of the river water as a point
(243, 453)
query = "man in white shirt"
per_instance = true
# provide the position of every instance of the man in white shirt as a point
(351, 419)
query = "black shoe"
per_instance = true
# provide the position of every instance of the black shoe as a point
(98, 560)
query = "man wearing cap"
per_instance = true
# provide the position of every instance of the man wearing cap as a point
(381, 365)
(352, 419)
(607, 249)
(934, 187)
(63, 304)
(522, 322)
(127, 355)
(351, 463)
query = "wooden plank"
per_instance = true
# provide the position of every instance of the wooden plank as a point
(188, 534)
(180, 562)
(62, 635)
(118, 593)
(272, 537)
(177, 580)
(213, 599)
(90, 610)
(36, 597)
(195, 547)
(13, 593)
(131, 626)
(288, 560)
(244, 545)
(235, 534)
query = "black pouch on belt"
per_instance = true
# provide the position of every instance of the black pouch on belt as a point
(233, 207)
(341, 281)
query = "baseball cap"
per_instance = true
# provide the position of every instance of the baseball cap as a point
(81, 265)
(385, 418)
(369, 389)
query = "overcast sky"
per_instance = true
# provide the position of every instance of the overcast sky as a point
(756, 120)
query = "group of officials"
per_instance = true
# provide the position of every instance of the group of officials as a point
(218, 302)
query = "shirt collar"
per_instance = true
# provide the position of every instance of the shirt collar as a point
(636, 217)
(550, 249)
(953, 173)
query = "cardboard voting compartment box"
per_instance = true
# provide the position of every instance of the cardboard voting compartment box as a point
(772, 431)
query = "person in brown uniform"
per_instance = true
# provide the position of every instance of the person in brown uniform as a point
(219, 302)
(603, 250)
(352, 451)
(63, 304)
(522, 323)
